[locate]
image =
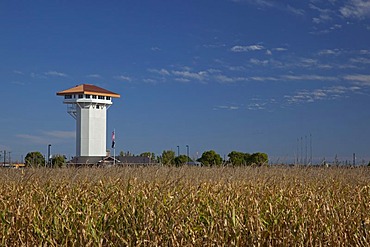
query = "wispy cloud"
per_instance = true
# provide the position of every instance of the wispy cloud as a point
(328, 52)
(357, 9)
(309, 78)
(55, 73)
(358, 79)
(18, 72)
(163, 72)
(329, 93)
(361, 60)
(263, 78)
(94, 76)
(46, 137)
(239, 48)
(272, 4)
(226, 79)
(226, 107)
(61, 134)
(279, 49)
(122, 78)
(324, 14)
(36, 139)
(258, 62)
(201, 75)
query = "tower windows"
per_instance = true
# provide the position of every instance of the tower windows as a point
(68, 96)
(107, 98)
(94, 96)
(87, 96)
(80, 96)
(101, 97)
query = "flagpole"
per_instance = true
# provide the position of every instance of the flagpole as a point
(114, 148)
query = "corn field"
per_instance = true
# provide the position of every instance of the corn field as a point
(185, 206)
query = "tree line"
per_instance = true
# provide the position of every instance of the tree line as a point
(211, 158)
(168, 158)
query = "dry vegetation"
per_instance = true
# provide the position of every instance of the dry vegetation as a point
(188, 206)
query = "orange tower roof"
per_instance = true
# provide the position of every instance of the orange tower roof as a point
(89, 89)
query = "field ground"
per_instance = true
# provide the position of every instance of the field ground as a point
(186, 206)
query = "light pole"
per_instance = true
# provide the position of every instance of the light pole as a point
(187, 152)
(178, 151)
(49, 153)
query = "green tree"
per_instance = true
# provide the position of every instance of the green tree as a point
(148, 154)
(182, 160)
(210, 158)
(238, 158)
(35, 159)
(58, 160)
(258, 159)
(168, 157)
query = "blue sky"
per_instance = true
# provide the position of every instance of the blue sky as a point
(251, 76)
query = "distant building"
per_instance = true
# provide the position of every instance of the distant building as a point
(109, 160)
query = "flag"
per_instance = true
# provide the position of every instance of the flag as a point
(113, 139)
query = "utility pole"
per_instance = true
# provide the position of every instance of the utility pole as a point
(305, 158)
(310, 149)
(354, 159)
(4, 157)
(187, 149)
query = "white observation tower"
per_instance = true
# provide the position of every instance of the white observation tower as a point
(88, 104)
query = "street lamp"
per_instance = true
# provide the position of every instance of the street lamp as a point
(49, 153)
(187, 152)
(178, 151)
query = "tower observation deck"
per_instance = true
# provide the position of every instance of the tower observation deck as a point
(88, 104)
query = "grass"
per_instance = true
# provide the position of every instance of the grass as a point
(186, 206)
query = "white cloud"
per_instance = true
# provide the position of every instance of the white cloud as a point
(18, 72)
(325, 15)
(61, 134)
(309, 78)
(295, 11)
(329, 93)
(123, 78)
(357, 9)
(226, 79)
(260, 78)
(46, 137)
(359, 79)
(155, 48)
(258, 62)
(55, 73)
(227, 107)
(202, 75)
(279, 49)
(182, 79)
(361, 60)
(239, 48)
(34, 138)
(148, 80)
(159, 71)
(273, 4)
(94, 76)
(335, 52)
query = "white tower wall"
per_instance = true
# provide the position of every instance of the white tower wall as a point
(91, 129)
